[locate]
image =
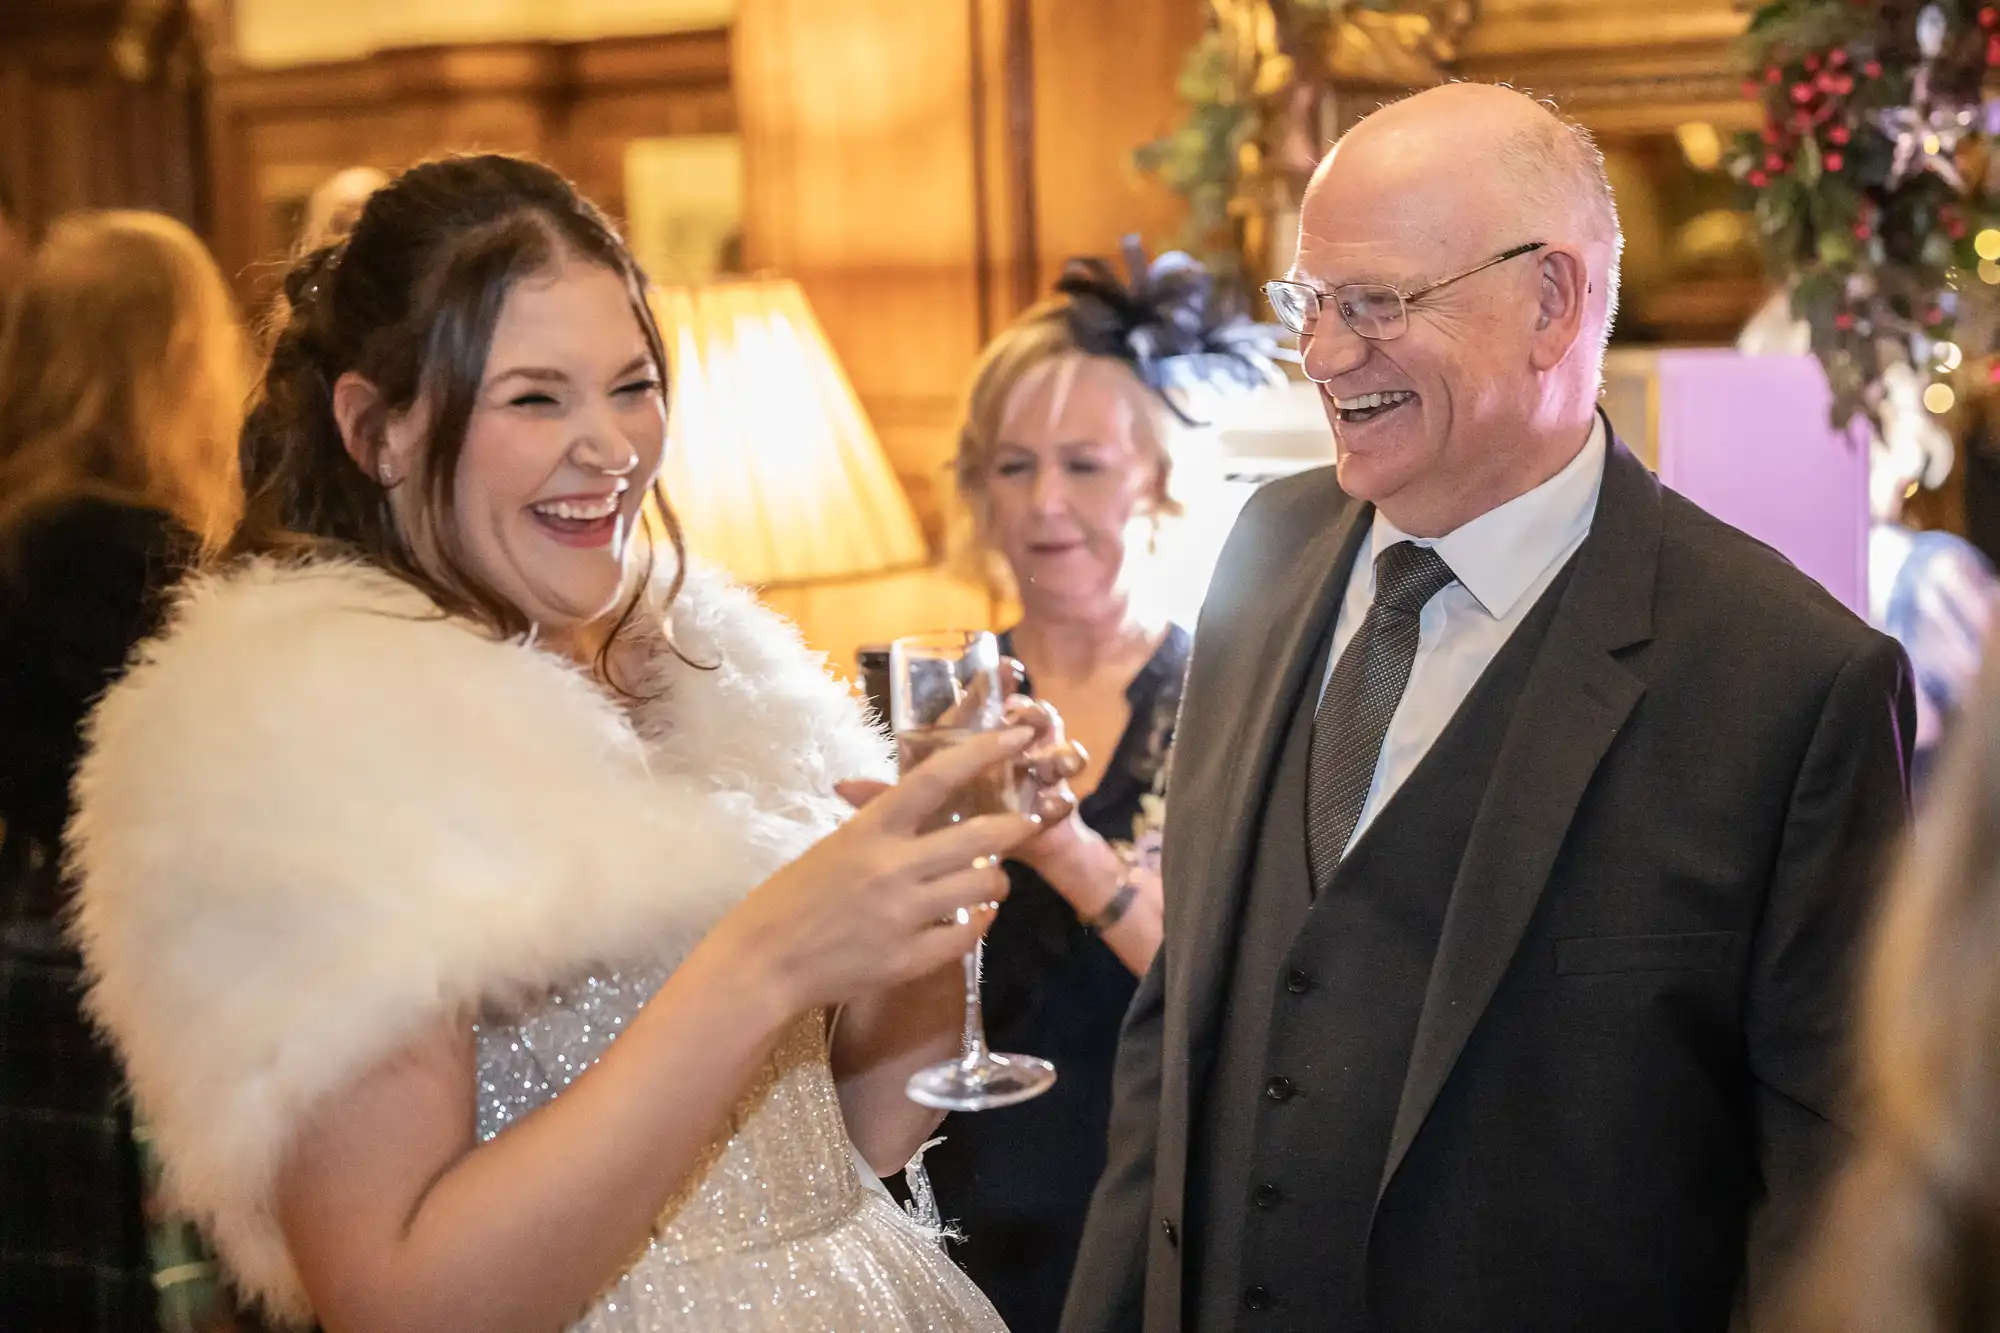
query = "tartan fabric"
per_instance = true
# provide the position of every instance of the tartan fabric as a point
(83, 1249)
(191, 1296)
(77, 1251)
(73, 1245)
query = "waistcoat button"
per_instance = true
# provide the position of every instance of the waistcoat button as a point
(1257, 1298)
(1279, 1088)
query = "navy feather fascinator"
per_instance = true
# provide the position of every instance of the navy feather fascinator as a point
(1181, 333)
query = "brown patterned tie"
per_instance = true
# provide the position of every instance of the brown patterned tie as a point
(1354, 713)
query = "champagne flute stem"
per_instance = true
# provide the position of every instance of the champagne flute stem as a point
(975, 1014)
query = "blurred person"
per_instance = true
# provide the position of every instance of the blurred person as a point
(1908, 1242)
(13, 240)
(335, 206)
(1064, 472)
(1931, 591)
(123, 370)
(1525, 819)
(468, 883)
(1934, 593)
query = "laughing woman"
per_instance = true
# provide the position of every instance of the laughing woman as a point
(467, 889)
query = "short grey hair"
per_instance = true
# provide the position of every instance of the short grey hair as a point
(1559, 172)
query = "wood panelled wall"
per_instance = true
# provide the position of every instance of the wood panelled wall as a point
(79, 131)
(278, 133)
(923, 167)
(1620, 67)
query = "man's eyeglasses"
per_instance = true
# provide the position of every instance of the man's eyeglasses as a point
(1372, 309)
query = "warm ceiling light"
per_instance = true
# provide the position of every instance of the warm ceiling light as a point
(1700, 145)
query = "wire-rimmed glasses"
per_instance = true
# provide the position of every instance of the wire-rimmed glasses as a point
(1374, 310)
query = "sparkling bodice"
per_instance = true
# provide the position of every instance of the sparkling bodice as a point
(775, 1229)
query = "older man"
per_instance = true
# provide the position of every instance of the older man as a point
(1524, 819)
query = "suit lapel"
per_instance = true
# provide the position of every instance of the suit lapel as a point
(1233, 748)
(1576, 697)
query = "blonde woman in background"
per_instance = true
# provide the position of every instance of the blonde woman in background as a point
(122, 374)
(1064, 474)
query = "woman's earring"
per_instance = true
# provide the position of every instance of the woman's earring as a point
(387, 475)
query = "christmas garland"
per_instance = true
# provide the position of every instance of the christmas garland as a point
(1254, 85)
(1874, 187)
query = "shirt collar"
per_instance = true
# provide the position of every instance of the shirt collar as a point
(1500, 555)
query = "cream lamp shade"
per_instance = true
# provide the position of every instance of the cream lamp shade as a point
(771, 465)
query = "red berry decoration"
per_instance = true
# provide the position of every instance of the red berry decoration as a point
(1843, 321)
(1802, 93)
(1837, 57)
(1772, 162)
(1873, 69)
(1993, 50)
(1989, 18)
(1862, 231)
(1759, 179)
(1774, 75)
(1834, 161)
(1838, 134)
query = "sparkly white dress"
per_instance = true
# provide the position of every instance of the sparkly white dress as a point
(776, 1231)
(321, 816)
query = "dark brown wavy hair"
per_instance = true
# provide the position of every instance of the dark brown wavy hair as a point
(408, 301)
(1911, 1238)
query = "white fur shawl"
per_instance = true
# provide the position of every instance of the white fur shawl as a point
(316, 817)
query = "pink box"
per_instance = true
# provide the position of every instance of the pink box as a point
(1746, 438)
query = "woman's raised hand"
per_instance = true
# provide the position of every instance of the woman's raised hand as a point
(878, 902)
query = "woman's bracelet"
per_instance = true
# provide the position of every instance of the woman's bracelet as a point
(1121, 902)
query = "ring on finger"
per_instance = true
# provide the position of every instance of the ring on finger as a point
(962, 916)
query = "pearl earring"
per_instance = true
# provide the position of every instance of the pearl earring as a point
(383, 471)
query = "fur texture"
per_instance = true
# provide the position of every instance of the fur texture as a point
(317, 817)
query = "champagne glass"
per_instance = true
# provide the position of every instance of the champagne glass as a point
(944, 688)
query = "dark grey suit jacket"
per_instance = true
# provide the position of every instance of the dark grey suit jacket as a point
(1627, 1078)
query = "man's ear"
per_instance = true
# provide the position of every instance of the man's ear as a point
(1560, 294)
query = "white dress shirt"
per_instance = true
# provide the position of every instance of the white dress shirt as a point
(1504, 560)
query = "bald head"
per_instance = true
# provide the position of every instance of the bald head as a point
(1465, 247)
(1470, 161)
